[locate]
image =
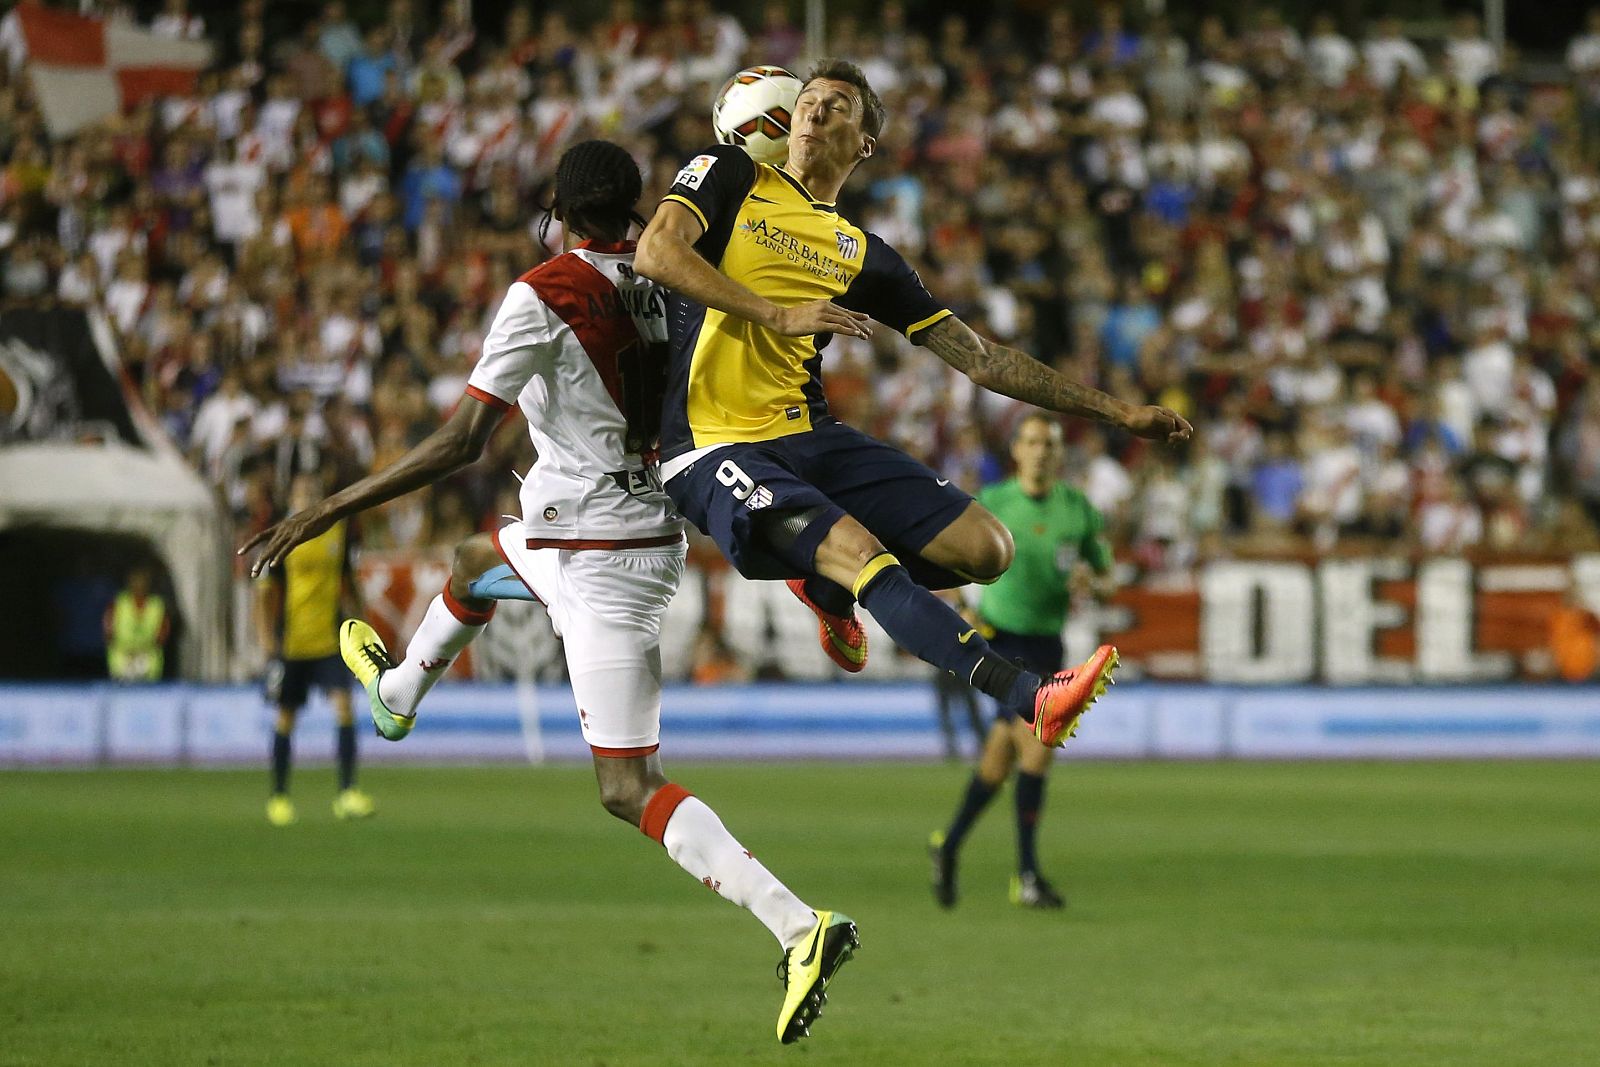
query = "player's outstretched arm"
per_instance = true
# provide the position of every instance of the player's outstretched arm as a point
(1020, 376)
(666, 255)
(443, 452)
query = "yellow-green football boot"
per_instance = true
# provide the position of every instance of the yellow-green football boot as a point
(280, 810)
(364, 653)
(352, 803)
(808, 967)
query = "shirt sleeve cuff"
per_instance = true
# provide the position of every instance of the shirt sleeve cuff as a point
(489, 398)
(690, 204)
(917, 327)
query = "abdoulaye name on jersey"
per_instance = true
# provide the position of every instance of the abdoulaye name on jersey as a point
(770, 236)
(634, 303)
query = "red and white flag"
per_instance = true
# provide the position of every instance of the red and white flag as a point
(85, 69)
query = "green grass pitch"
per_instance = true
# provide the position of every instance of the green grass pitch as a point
(1291, 914)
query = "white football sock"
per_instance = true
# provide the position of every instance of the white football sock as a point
(698, 842)
(436, 644)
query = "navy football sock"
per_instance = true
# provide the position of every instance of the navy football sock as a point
(1030, 798)
(973, 801)
(347, 756)
(280, 762)
(930, 629)
(831, 597)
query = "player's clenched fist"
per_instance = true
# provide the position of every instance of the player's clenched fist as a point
(819, 316)
(1158, 424)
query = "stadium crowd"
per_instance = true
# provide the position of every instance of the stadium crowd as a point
(1362, 266)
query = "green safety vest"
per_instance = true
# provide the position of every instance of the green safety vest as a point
(134, 653)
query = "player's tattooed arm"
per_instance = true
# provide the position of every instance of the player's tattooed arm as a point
(1018, 375)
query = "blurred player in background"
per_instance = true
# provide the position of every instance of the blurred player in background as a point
(1057, 532)
(297, 617)
(763, 271)
(578, 345)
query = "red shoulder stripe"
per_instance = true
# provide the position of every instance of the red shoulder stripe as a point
(590, 305)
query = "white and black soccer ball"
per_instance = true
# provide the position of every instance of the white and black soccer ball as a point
(754, 110)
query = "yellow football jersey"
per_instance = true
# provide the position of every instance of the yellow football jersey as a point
(731, 380)
(313, 577)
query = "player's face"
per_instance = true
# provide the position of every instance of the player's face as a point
(827, 127)
(1037, 450)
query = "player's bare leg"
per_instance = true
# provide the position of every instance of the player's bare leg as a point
(815, 944)
(349, 802)
(922, 624)
(478, 578)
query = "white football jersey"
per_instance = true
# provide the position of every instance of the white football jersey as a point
(580, 345)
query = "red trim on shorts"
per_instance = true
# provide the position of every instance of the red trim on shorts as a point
(465, 615)
(658, 812)
(495, 537)
(623, 753)
(488, 398)
(591, 544)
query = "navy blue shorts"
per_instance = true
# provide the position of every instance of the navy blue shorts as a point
(289, 681)
(901, 502)
(1043, 655)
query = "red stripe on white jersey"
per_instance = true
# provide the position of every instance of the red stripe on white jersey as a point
(590, 305)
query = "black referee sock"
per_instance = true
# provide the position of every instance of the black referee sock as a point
(280, 762)
(930, 629)
(1030, 798)
(976, 798)
(347, 756)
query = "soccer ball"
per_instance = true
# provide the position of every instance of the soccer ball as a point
(754, 110)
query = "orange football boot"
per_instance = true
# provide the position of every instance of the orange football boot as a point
(1062, 700)
(843, 638)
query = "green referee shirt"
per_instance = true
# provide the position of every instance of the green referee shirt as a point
(1052, 533)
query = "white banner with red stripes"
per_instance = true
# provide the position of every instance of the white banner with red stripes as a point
(85, 69)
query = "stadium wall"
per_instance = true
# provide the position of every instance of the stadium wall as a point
(197, 725)
(1341, 620)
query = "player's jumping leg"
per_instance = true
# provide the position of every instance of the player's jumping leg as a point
(930, 629)
(608, 609)
(453, 620)
(816, 944)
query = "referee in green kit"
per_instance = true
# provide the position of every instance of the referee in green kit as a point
(1021, 616)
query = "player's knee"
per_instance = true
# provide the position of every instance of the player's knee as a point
(625, 797)
(992, 551)
(849, 546)
(284, 724)
(472, 558)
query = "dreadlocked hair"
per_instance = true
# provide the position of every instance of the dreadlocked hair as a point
(597, 186)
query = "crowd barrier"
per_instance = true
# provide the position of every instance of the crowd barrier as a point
(64, 725)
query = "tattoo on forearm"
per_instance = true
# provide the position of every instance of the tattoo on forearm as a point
(1016, 374)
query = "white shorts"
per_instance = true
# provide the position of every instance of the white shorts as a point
(606, 606)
